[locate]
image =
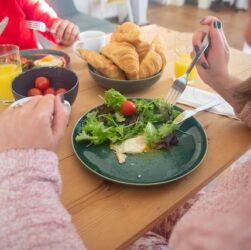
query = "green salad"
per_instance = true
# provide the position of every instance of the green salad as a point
(119, 119)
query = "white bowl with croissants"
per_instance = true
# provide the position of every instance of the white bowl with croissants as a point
(127, 63)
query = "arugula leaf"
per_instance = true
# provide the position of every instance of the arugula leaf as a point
(150, 133)
(114, 99)
(153, 134)
(166, 129)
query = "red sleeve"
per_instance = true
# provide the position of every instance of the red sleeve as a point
(39, 10)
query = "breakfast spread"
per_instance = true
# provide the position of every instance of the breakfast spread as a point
(127, 56)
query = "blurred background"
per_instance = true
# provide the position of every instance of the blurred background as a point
(180, 15)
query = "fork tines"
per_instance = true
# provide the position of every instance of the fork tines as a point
(35, 25)
(175, 91)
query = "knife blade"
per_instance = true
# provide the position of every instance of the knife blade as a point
(3, 24)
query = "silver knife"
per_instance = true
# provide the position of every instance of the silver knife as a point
(3, 24)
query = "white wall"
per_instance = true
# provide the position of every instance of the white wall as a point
(139, 10)
(92, 7)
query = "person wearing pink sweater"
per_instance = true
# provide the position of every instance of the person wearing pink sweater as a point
(31, 213)
(221, 218)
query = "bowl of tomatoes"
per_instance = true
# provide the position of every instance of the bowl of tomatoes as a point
(46, 80)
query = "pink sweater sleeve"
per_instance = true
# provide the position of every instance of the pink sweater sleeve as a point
(221, 219)
(31, 214)
(245, 114)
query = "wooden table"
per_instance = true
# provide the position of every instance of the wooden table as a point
(111, 216)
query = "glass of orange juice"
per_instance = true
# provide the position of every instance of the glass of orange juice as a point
(182, 59)
(10, 67)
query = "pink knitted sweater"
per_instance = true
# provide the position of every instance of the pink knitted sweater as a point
(221, 219)
(31, 214)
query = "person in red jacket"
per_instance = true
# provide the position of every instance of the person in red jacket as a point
(19, 11)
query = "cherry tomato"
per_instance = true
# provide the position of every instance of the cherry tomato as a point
(24, 60)
(34, 91)
(42, 83)
(128, 108)
(61, 91)
(50, 91)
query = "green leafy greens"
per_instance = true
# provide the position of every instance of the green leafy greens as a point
(153, 119)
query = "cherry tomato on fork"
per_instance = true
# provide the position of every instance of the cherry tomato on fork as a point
(42, 83)
(128, 108)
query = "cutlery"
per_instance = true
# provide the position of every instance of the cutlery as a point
(3, 24)
(180, 83)
(189, 113)
(36, 25)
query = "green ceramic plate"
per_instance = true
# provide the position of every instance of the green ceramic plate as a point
(151, 168)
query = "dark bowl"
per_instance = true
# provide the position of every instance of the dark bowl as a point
(59, 78)
(123, 86)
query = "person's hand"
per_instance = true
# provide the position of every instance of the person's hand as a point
(65, 31)
(39, 123)
(213, 65)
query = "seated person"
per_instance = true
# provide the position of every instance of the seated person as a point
(19, 11)
(220, 219)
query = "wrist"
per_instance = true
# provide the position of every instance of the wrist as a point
(225, 83)
(225, 87)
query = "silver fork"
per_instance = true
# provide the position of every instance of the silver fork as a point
(180, 83)
(36, 25)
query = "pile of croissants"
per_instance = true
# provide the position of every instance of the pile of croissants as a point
(126, 56)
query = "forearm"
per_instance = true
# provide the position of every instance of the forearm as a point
(225, 87)
(39, 10)
(31, 214)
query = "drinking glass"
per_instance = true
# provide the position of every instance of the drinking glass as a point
(182, 59)
(10, 67)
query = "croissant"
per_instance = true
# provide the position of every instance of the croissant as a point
(102, 64)
(151, 64)
(142, 48)
(127, 32)
(124, 55)
(159, 48)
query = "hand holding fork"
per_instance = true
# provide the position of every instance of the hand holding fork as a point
(64, 31)
(36, 25)
(180, 83)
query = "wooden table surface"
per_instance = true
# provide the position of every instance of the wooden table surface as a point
(111, 216)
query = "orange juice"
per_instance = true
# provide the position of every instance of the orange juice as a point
(7, 73)
(181, 64)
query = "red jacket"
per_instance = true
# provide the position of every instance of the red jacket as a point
(18, 11)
